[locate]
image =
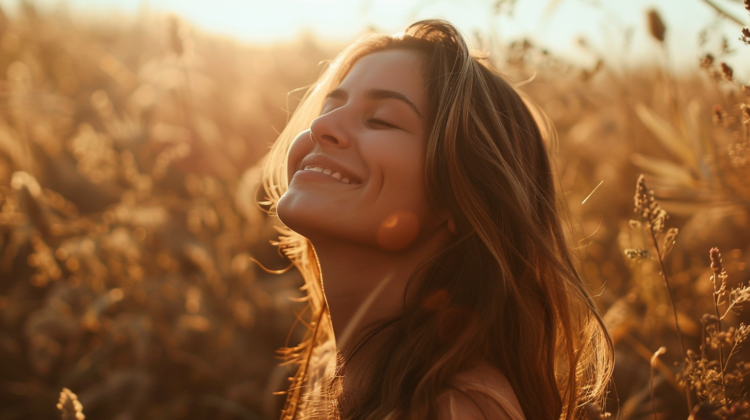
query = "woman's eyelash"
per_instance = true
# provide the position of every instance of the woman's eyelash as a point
(381, 122)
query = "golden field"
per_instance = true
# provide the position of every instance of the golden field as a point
(129, 160)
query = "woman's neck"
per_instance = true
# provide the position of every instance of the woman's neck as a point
(364, 287)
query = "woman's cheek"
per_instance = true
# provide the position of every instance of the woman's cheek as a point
(404, 205)
(301, 146)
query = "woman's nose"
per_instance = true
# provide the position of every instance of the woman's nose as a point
(329, 130)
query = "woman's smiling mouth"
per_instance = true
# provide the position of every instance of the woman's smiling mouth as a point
(322, 167)
(321, 173)
(326, 171)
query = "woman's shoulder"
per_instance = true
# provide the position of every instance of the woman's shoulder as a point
(481, 392)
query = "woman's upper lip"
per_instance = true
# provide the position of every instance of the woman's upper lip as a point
(329, 163)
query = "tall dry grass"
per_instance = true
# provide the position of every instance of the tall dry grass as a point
(128, 219)
(128, 224)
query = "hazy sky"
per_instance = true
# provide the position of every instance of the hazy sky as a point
(602, 22)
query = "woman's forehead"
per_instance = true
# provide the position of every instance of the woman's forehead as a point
(398, 70)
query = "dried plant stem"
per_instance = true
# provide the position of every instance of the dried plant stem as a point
(724, 13)
(674, 310)
(654, 361)
(729, 308)
(721, 350)
(646, 354)
(732, 352)
(669, 289)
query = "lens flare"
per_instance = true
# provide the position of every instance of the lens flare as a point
(398, 231)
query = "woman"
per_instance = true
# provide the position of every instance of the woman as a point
(419, 195)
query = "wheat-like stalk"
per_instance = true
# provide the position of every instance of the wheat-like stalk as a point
(69, 406)
(718, 279)
(654, 217)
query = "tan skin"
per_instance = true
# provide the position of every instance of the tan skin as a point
(371, 233)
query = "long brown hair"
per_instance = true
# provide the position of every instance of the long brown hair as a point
(508, 275)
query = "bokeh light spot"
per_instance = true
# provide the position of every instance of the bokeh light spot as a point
(398, 231)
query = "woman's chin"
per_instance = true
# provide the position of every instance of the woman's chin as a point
(302, 217)
(289, 215)
(396, 232)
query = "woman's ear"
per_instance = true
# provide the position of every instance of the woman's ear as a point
(452, 225)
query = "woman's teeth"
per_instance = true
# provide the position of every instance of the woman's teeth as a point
(327, 171)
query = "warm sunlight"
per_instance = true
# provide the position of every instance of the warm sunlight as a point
(555, 24)
(374, 209)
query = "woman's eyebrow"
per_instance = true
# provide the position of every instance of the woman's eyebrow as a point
(377, 94)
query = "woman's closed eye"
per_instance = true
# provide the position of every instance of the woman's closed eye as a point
(382, 123)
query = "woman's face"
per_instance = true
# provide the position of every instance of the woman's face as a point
(358, 174)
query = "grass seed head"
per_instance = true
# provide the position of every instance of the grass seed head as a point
(656, 25)
(727, 71)
(69, 406)
(641, 197)
(740, 295)
(741, 333)
(647, 208)
(718, 115)
(747, 5)
(670, 239)
(716, 266)
(745, 112)
(739, 408)
(719, 274)
(634, 253)
(707, 319)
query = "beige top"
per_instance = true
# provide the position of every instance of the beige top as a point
(482, 393)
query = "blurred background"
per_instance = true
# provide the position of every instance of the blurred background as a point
(130, 137)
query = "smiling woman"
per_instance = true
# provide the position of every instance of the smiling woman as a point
(371, 133)
(422, 212)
